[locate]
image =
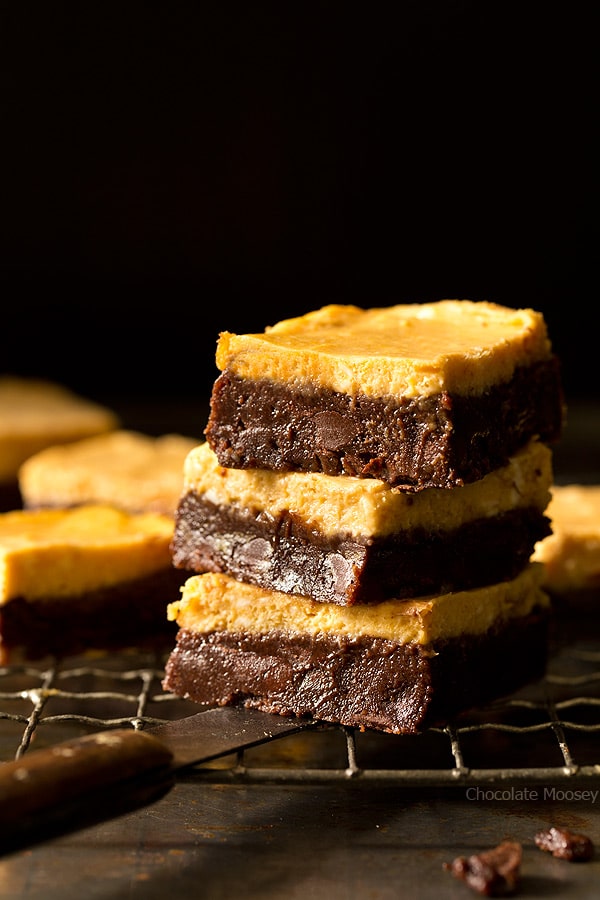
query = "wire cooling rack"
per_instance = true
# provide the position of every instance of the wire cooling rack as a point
(546, 733)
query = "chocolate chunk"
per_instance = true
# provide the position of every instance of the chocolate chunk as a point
(493, 873)
(333, 430)
(565, 844)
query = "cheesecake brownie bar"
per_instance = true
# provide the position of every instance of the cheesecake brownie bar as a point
(418, 395)
(398, 666)
(571, 554)
(89, 578)
(347, 540)
(35, 414)
(127, 469)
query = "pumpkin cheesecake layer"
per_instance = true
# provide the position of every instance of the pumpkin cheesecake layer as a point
(419, 395)
(127, 469)
(348, 540)
(397, 667)
(93, 577)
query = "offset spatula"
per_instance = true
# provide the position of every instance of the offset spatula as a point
(97, 777)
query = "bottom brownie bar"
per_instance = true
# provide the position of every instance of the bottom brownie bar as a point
(398, 667)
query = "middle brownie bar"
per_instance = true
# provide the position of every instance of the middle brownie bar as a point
(346, 540)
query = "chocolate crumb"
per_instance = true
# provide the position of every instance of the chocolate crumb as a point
(565, 844)
(493, 873)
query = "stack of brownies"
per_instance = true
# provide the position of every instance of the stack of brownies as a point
(363, 514)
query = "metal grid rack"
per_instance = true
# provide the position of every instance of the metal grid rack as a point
(546, 733)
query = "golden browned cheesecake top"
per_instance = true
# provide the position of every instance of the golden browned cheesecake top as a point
(411, 350)
(357, 506)
(127, 469)
(214, 602)
(64, 552)
(35, 413)
(571, 554)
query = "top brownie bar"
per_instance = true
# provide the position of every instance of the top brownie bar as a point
(418, 395)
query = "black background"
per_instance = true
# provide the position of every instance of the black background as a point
(171, 170)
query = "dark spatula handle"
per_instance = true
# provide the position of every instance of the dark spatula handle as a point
(80, 782)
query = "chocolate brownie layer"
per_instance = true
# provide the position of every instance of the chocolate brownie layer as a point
(128, 614)
(284, 553)
(358, 681)
(442, 440)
